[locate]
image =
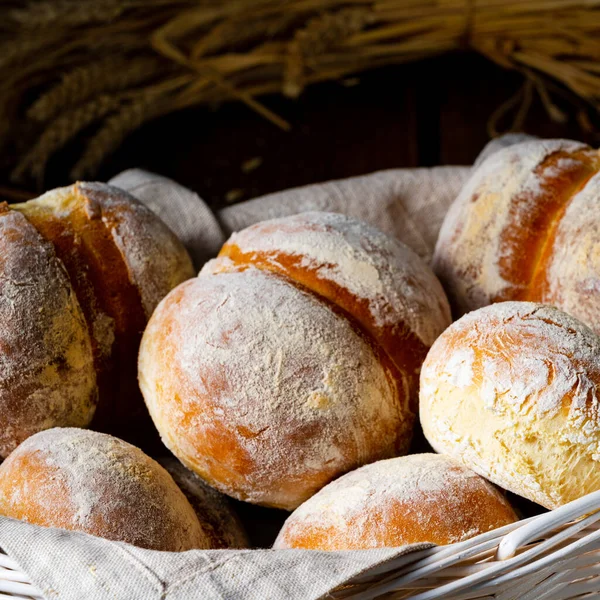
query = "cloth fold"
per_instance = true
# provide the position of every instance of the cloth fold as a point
(407, 203)
(69, 565)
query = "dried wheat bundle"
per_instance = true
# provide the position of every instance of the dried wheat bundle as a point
(106, 67)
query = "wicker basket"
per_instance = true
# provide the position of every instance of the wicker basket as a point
(554, 556)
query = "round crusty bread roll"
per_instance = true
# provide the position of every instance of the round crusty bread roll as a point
(218, 520)
(526, 226)
(92, 482)
(512, 391)
(275, 371)
(81, 270)
(407, 500)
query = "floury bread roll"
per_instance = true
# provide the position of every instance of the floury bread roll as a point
(512, 391)
(81, 270)
(292, 358)
(92, 482)
(526, 226)
(406, 500)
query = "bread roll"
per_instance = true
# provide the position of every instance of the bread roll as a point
(217, 518)
(91, 482)
(47, 374)
(268, 378)
(512, 391)
(263, 390)
(118, 260)
(407, 500)
(526, 226)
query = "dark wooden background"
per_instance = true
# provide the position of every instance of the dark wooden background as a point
(421, 114)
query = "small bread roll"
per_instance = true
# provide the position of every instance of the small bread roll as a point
(219, 522)
(526, 226)
(92, 482)
(293, 357)
(120, 260)
(512, 391)
(407, 500)
(263, 390)
(47, 374)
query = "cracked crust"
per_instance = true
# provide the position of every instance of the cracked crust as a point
(293, 357)
(381, 283)
(512, 391)
(47, 375)
(526, 226)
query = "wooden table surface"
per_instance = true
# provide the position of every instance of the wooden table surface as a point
(421, 114)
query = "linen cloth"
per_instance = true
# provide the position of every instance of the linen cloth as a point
(407, 203)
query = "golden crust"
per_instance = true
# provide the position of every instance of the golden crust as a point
(282, 367)
(263, 390)
(501, 237)
(91, 482)
(121, 260)
(154, 257)
(379, 283)
(408, 500)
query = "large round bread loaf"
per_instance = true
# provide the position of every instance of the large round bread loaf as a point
(293, 357)
(526, 226)
(512, 391)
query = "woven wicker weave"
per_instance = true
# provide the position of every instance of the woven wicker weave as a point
(554, 556)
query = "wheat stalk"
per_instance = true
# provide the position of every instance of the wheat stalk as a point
(19, 49)
(82, 83)
(76, 53)
(320, 34)
(65, 13)
(60, 131)
(114, 130)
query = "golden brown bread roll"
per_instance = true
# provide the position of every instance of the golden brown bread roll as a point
(92, 482)
(526, 226)
(277, 370)
(218, 520)
(407, 500)
(112, 261)
(512, 391)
